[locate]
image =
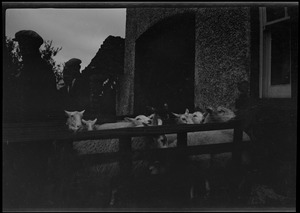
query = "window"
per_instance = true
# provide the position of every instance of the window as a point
(275, 53)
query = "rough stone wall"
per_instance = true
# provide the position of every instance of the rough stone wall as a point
(222, 45)
(222, 54)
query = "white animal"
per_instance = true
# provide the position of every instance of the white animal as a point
(94, 146)
(74, 120)
(89, 125)
(155, 120)
(197, 117)
(185, 118)
(222, 114)
(138, 121)
(206, 161)
(189, 118)
(112, 170)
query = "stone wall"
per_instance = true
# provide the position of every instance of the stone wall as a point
(222, 45)
(222, 54)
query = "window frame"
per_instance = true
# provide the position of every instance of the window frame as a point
(266, 90)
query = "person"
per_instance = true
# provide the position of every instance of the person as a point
(36, 83)
(36, 92)
(243, 100)
(73, 89)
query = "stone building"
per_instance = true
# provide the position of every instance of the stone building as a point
(195, 57)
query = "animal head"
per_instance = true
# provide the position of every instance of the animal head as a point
(139, 120)
(197, 117)
(89, 125)
(155, 120)
(142, 120)
(161, 141)
(183, 118)
(74, 120)
(221, 114)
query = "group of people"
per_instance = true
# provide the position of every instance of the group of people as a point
(33, 94)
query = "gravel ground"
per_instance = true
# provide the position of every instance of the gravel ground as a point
(167, 193)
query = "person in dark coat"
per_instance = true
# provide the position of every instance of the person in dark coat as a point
(243, 100)
(73, 89)
(36, 98)
(36, 82)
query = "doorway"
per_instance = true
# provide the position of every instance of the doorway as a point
(165, 64)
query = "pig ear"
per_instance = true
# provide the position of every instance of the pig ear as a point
(155, 122)
(68, 113)
(128, 119)
(94, 121)
(209, 109)
(159, 122)
(151, 116)
(177, 115)
(221, 109)
(187, 111)
(83, 121)
(82, 112)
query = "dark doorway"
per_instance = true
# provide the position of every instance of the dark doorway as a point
(165, 63)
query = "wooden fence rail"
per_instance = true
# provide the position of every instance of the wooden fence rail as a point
(18, 133)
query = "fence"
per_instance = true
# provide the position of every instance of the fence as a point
(39, 132)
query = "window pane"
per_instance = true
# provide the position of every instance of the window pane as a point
(280, 53)
(274, 13)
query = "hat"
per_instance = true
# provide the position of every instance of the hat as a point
(29, 36)
(68, 70)
(72, 62)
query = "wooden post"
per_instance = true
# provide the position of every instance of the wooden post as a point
(65, 171)
(237, 140)
(182, 139)
(182, 166)
(182, 145)
(236, 157)
(125, 163)
(125, 160)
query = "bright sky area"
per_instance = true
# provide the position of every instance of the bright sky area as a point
(80, 32)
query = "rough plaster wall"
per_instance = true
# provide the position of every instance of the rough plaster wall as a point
(124, 102)
(221, 56)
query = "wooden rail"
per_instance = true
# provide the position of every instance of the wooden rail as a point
(41, 132)
(33, 132)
